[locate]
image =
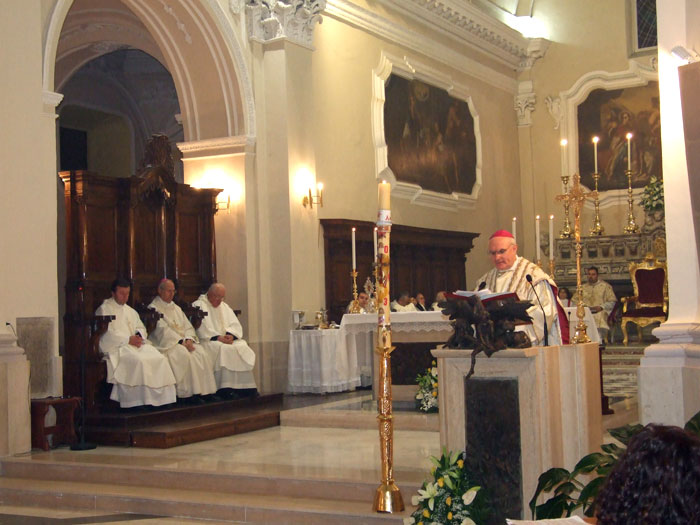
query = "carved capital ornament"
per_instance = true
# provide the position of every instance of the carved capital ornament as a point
(269, 20)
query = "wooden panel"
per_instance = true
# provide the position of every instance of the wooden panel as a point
(148, 243)
(189, 259)
(422, 260)
(101, 241)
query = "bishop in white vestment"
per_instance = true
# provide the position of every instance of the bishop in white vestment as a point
(175, 337)
(139, 373)
(509, 274)
(222, 335)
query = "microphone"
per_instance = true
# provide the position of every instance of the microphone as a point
(482, 285)
(528, 277)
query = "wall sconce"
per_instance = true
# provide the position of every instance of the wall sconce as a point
(311, 199)
(223, 201)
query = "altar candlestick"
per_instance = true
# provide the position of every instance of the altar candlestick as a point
(513, 229)
(384, 195)
(354, 265)
(375, 243)
(537, 237)
(551, 237)
(629, 151)
(595, 154)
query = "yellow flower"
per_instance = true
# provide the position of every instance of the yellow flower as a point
(449, 515)
(432, 470)
(448, 501)
(426, 513)
(434, 393)
(460, 463)
(441, 482)
(435, 384)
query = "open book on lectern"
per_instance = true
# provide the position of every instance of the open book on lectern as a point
(484, 295)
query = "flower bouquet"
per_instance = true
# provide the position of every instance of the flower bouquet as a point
(451, 498)
(427, 396)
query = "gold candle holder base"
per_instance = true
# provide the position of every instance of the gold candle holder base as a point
(566, 232)
(551, 267)
(388, 499)
(631, 227)
(355, 307)
(597, 228)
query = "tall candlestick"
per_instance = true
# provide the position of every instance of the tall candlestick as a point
(629, 151)
(513, 229)
(595, 154)
(375, 243)
(384, 195)
(537, 238)
(551, 237)
(354, 265)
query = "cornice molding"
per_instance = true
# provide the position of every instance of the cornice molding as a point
(215, 147)
(381, 27)
(293, 20)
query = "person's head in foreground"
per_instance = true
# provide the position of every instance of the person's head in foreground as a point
(656, 481)
(502, 249)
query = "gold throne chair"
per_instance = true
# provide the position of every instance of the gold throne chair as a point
(649, 304)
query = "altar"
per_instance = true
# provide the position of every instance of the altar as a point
(521, 413)
(336, 360)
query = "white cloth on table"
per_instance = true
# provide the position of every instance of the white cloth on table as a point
(194, 371)
(321, 361)
(233, 363)
(514, 279)
(140, 376)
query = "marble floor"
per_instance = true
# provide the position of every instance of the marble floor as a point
(303, 452)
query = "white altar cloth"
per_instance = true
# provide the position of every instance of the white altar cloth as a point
(321, 361)
(400, 322)
(591, 328)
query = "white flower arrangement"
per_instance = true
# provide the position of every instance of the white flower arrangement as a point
(427, 396)
(451, 498)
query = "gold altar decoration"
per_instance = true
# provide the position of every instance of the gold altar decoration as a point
(631, 223)
(597, 228)
(388, 496)
(576, 197)
(355, 306)
(565, 232)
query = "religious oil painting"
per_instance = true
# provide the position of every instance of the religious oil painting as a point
(610, 115)
(430, 137)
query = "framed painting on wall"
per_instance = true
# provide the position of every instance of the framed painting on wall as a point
(429, 136)
(610, 115)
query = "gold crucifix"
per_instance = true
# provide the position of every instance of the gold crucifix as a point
(576, 197)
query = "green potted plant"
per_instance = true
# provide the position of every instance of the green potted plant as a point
(653, 199)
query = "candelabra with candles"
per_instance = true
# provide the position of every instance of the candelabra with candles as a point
(631, 223)
(565, 232)
(597, 228)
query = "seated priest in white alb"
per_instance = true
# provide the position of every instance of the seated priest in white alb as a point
(362, 301)
(222, 335)
(175, 337)
(510, 274)
(403, 304)
(138, 372)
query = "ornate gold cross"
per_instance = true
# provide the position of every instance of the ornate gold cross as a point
(576, 197)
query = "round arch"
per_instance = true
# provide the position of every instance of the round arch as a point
(197, 44)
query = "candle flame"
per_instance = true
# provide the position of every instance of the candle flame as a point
(596, 140)
(551, 217)
(375, 228)
(515, 219)
(353, 229)
(629, 136)
(564, 142)
(537, 217)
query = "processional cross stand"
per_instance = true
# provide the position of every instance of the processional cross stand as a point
(576, 197)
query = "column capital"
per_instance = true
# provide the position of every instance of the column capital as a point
(294, 20)
(525, 103)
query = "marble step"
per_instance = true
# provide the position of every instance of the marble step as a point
(228, 483)
(266, 508)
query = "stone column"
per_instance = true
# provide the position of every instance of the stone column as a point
(669, 375)
(15, 423)
(283, 273)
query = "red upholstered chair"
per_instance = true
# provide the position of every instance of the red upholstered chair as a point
(649, 304)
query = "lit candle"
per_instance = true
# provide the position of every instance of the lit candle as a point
(551, 237)
(595, 154)
(384, 195)
(563, 143)
(629, 151)
(375, 243)
(537, 237)
(512, 229)
(354, 265)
